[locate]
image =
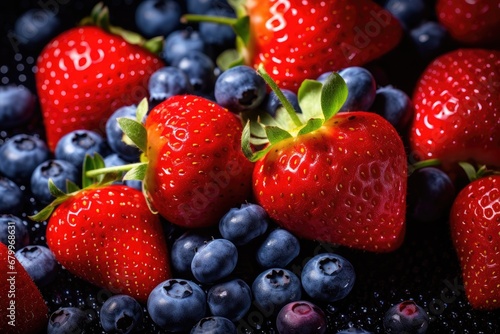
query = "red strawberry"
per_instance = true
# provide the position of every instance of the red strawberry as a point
(339, 179)
(85, 74)
(475, 231)
(23, 308)
(297, 40)
(457, 113)
(108, 236)
(472, 22)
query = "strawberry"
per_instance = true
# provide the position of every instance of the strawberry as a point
(475, 231)
(298, 40)
(333, 177)
(457, 109)
(23, 308)
(471, 22)
(107, 235)
(87, 72)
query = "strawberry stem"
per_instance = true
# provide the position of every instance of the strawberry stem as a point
(426, 163)
(107, 170)
(230, 21)
(284, 101)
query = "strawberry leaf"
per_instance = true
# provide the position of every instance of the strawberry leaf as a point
(309, 96)
(135, 131)
(54, 190)
(142, 110)
(90, 163)
(71, 187)
(242, 28)
(276, 134)
(136, 173)
(311, 125)
(45, 213)
(333, 95)
(246, 145)
(229, 58)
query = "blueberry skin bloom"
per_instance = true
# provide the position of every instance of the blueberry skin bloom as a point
(20, 155)
(406, 317)
(167, 82)
(13, 231)
(120, 314)
(183, 250)
(75, 145)
(199, 68)
(275, 287)
(214, 325)
(301, 317)
(361, 86)
(231, 299)
(328, 277)
(39, 263)
(59, 171)
(242, 225)
(181, 43)
(115, 135)
(177, 304)
(395, 106)
(11, 195)
(17, 105)
(214, 261)
(67, 320)
(278, 249)
(240, 88)
(158, 17)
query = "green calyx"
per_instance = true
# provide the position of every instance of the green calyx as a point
(318, 101)
(99, 16)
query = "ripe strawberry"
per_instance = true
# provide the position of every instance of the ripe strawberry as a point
(471, 22)
(475, 231)
(108, 236)
(457, 108)
(23, 308)
(339, 179)
(297, 40)
(86, 73)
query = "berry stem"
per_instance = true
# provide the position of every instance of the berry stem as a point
(426, 163)
(114, 169)
(230, 21)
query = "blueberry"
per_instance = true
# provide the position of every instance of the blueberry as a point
(177, 304)
(272, 103)
(167, 82)
(395, 106)
(301, 317)
(75, 145)
(214, 260)
(406, 317)
(183, 250)
(59, 171)
(214, 325)
(273, 288)
(17, 106)
(120, 314)
(328, 277)
(278, 249)
(36, 27)
(323, 76)
(430, 195)
(39, 262)
(181, 43)
(13, 231)
(203, 6)
(20, 155)
(353, 330)
(240, 88)
(430, 39)
(242, 225)
(231, 299)
(115, 136)
(158, 17)
(408, 12)
(361, 87)
(68, 320)
(199, 68)
(114, 160)
(218, 36)
(11, 195)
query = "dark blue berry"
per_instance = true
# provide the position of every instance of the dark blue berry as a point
(120, 314)
(11, 195)
(272, 102)
(408, 12)
(115, 136)
(214, 325)
(59, 171)
(39, 262)
(218, 36)
(17, 105)
(114, 160)
(20, 155)
(158, 17)
(75, 145)
(35, 28)
(361, 87)
(214, 260)
(183, 250)
(430, 39)
(203, 6)
(328, 277)
(231, 299)
(301, 317)
(240, 88)
(278, 249)
(67, 320)
(242, 225)
(354, 330)
(167, 82)
(430, 195)
(406, 317)
(199, 68)
(275, 287)
(177, 304)
(323, 76)
(181, 43)
(13, 231)
(395, 106)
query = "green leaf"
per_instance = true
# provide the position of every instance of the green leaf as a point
(90, 163)
(136, 173)
(45, 213)
(229, 58)
(242, 29)
(135, 131)
(311, 125)
(155, 44)
(54, 190)
(469, 170)
(71, 187)
(142, 110)
(276, 134)
(309, 96)
(333, 95)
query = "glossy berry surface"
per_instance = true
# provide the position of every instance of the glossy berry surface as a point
(395, 106)
(13, 231)
(214, 260)
(39, 262)
(278, 249)
(361, 86)
(59, 171)
(115, 136)
(183, 250)
(120, 314)
(273, 288)
(231, 299)
(406, 317)
(67, 320)
(12, 196)
(200, 70)
(181, 43)
(430, 39)
(74, 146)
(158, 17)
(166, 82)
(242, 225)
(408, 12)
(214, 325)
(301, 317)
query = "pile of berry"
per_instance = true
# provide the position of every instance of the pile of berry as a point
(174, 185)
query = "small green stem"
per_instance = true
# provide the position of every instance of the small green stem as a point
(230, 21)
(284, 101)
(106, 170)
(426, 163)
